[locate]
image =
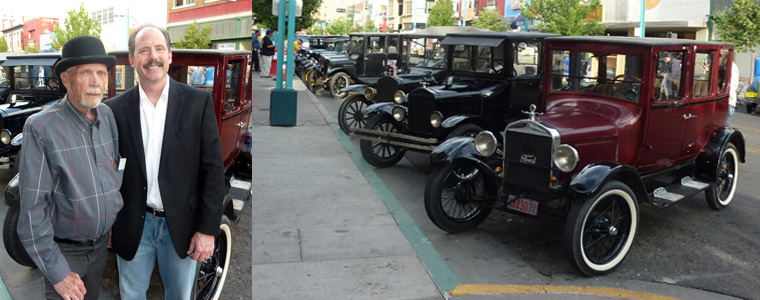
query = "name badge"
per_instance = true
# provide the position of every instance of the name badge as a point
(122, 164)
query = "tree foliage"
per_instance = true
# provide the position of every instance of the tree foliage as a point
(490, 18)
(739, 24)
(442, 14)
(340, 26)
(31, 49)
(78, 23)
(195, 38)
(262, 12)
(566, 17)
(3, 44)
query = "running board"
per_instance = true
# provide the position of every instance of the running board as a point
(240, 191)
(664, 197)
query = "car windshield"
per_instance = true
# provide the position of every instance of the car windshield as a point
(32, 77)
(478, 59)
(609, 74)
(424, 52)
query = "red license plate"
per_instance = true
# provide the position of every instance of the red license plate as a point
(524, 205)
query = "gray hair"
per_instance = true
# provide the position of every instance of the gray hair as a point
(133, 36)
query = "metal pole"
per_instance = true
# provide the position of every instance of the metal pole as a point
(642, 24)
(280, 43)
(525, 20)
(291, 41)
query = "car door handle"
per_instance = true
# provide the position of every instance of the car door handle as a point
(241, 124)
(689, 116)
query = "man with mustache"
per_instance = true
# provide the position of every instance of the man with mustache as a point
(174, 178)
(70, 174)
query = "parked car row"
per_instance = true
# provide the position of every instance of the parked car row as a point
(578, 130)
(32, 86)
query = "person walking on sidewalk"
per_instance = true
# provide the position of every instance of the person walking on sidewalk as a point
(70, 175)
(174, 178)
(267, 51)
(256, 49)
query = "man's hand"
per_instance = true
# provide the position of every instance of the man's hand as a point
(71, 288)
(201, 246)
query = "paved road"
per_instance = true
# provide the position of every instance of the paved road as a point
(685, 245)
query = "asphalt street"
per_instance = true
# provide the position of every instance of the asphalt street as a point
(686, 245)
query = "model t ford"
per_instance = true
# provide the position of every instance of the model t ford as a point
(492, 76)
(626, 121)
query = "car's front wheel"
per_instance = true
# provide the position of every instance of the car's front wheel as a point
(599, 232)
(457, 197)
(338, 82)
(377, 153)
(11, 239)
(751, 107)
(721, 192)
(211, 274)
(350, 114)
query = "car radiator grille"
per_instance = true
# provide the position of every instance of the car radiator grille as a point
(420, 109)
(385, 89)
(527, 160)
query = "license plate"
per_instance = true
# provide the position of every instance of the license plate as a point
(750, 94)
(524, 205)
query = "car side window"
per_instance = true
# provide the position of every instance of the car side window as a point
(723, 71)
(526, 58)
(232, 85)
(668, 82)
(702, 74)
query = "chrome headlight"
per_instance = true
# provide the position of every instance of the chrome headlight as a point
(5, 136)
(485, 143)
(436, 119)
(399, 114)
(370, 93)
(565, 158)
(398, 96)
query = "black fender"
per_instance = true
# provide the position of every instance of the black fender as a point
(11, 195)
(383, 107)
(348, 72)
(355, 88)
(707, 161)
(455, 120)
(594, 175)
(462, 149)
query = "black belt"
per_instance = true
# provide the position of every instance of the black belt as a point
(85, 242)
(156, 213)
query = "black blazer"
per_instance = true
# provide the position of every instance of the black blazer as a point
(191, 171)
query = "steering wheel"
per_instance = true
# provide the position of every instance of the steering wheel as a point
(623, 77)
(627, 89)
(53, 83)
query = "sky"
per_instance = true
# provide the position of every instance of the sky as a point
(144, 11)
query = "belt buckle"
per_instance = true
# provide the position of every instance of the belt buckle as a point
(157, 213)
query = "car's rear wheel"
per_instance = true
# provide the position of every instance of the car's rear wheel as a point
(350, 114)
(338, 82)
(599, 232)
(456, 197)
(11, 239)
(721, 192)
(751, 107)
(211, 274)
(311, 80)
(379, 154)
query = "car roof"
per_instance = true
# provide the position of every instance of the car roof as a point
(32, 59)
(441, 31)
(634, 41)
(374, 34)
(504, 34)
(213, 52)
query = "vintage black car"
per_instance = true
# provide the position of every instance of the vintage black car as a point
(309, 57)
(311, 44)
(31, 86)
(492, 76)
(422, 63)
(616, 132)
(366, 62)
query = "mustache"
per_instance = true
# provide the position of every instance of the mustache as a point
(153, 63)
(93, 91)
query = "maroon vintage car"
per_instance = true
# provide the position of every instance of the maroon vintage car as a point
(227, 76)
(626, 120)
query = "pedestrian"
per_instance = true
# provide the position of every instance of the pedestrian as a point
(267, 51)
(174, 178)
(671, 76)
(732, 88)
(196, 77)
(256, 49)
(70, 174)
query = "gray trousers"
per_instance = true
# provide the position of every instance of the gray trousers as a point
(87, 259)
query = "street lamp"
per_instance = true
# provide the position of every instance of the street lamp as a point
(128, 17)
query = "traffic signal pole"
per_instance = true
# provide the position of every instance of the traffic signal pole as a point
(283, 101)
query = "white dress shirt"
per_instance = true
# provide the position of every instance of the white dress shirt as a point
(152, 121)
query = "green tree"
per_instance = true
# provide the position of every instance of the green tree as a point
(195, 38)
(566, 17)
(316, 29)
(739, 24)
(3, 44)
(262, 12)
(340, 27)
(490, 18)
(368, 26)
(31, 49)
(78, 23)
(442, 14)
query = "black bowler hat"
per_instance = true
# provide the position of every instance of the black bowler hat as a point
(83, 50)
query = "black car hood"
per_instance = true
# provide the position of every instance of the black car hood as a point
(462, 89)
(20, 107)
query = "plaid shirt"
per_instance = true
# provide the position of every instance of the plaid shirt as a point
(69, 182)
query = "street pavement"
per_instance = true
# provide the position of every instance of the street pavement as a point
(325, 226)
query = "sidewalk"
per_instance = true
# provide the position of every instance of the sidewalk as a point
(323, 227)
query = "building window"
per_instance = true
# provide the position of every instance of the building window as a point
(103, 16)
(180, 3)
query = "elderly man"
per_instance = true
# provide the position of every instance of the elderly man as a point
(70, 176)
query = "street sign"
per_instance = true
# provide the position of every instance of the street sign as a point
(340, 10)
(276, 7)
